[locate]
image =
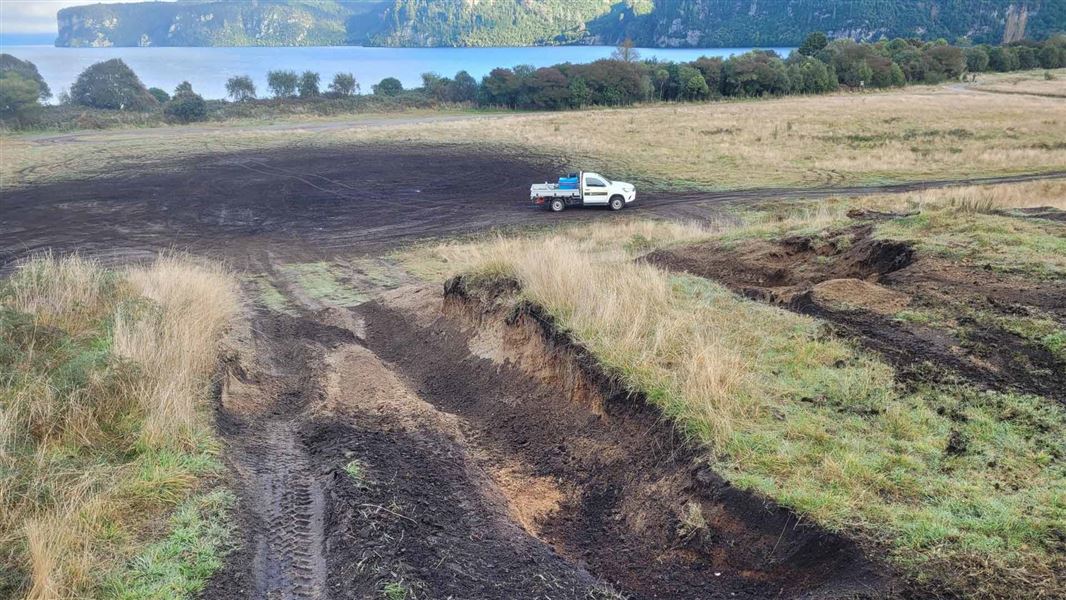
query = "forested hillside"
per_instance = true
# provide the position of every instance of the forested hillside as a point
(676, 23)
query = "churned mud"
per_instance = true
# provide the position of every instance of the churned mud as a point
(867, 287)
(431, 445)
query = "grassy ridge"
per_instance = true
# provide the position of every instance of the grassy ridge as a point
(803, 417)
(102, 380)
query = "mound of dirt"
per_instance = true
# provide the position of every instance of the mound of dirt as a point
(858, 294)
(861, 285)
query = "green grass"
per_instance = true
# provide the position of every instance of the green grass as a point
(1003, 243)
(270, 297)
(201, 532)
(395, 590)
(355, 470)
(918, 317)
(325, 282)
(1035, 327)
(76, 475)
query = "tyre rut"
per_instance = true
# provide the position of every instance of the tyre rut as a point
(265, 403)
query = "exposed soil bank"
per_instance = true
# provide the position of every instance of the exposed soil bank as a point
(860, 284)
(349, 485)
(597, 473)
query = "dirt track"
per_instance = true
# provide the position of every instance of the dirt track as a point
(399, 445)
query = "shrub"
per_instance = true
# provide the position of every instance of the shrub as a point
(240, 88)
(755, 74)
(976, 59)
(390, 86)
(308, 85)
(186, 106)
(1053, 53)
(26, 69)
(1028, 58)
(814, 43)
(344, 84)
(546, 88)
(111, 84)
(283, 84)
(18, 98)
(711, 69)
(1002, 59)
(948, 62)
(692, 84)
(463, 88)
(159, 94)
(580, 94)
(613, 82)
(808, 75)
(435, 86)
(499, 88)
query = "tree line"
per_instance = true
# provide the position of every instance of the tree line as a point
(818, 66)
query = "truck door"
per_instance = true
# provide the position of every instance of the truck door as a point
(595, 189)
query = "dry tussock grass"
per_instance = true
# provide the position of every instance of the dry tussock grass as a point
(1031, 82)
(177, 345)
(110, 365)
(60, 292)
(990, 198)
(916, 133)
(703, 354)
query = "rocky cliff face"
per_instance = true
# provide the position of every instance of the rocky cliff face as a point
(207, 23)
(669, 23)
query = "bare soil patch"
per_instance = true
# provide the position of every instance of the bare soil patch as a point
(861, 285)
(307, 204)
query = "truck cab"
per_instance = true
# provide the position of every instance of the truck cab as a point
(583, 189)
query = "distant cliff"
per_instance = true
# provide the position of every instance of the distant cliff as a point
(669, 23)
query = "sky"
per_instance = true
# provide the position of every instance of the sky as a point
(36, 17)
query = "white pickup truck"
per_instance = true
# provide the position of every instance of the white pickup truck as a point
(582, 189)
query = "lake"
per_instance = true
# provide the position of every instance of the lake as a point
(209, 68)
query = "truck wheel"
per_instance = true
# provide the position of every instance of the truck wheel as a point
(557, 206)
(617, 203)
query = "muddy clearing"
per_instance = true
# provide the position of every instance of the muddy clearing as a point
(423, 447)
(316, 203)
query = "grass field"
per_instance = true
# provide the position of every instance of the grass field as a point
(103, 379)
(910, 134)
(915, 133)
(1047, 83)
(866, 456)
